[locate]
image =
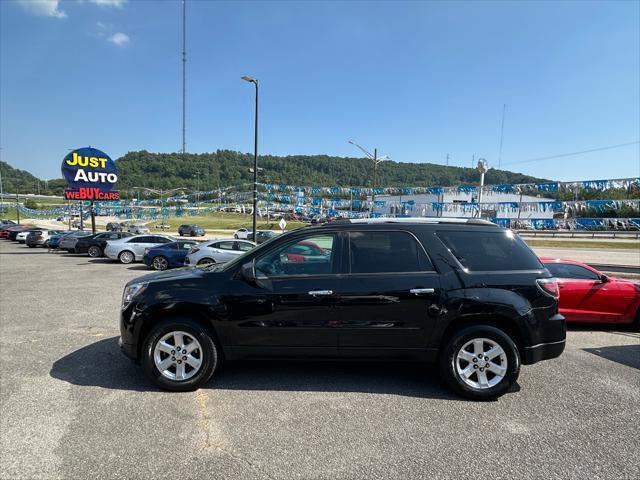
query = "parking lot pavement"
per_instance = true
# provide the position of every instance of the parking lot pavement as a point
(72, 407)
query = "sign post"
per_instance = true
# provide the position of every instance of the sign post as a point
(91, 176)
(282, 224)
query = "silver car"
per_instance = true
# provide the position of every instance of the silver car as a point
(217, 251)
(68, 242)
(131, 249)
(137, 229)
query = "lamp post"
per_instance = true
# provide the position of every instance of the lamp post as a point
(482, 167)
(246, 78)
(376, 161)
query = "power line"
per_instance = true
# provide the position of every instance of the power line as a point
(598, 149)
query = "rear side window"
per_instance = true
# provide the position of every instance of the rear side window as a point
(223, 245)
(386, 252)
(567, 270)
(490, 251)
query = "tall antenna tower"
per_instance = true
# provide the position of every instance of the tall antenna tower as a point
(504, 107)
(184, 76)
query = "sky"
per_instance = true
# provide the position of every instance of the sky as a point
(417, 80)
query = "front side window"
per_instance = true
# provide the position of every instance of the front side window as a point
(566, 270)
(386, 252)
(313, 255)
(161, 240)
(499, 250)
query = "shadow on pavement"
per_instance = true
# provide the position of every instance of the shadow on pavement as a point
(101, 364)
(628, 355)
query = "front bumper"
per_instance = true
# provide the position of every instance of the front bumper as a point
(128, 349)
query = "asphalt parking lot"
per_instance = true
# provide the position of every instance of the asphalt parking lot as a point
(73, 407)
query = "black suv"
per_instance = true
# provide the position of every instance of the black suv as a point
(465, 294)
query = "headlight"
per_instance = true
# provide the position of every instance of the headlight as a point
(131, 292)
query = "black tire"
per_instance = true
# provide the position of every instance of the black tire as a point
(206, 261)
(209, 355)
(181, 234)
(125, 258)
(160, 263)
(94, 251)
(448, 362)
(31, 246)
(235, 235)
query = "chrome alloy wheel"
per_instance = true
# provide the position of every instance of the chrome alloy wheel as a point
(481, 363)
(160, 263)
(178, 356)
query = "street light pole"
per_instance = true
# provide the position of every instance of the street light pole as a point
(482, 167)
(255, 158)
(376, 161)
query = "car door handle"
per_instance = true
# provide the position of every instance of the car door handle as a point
(320, 293)
(422, 291)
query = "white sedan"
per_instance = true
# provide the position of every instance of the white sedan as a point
(131, 249)
(242, 233)
(217, 251)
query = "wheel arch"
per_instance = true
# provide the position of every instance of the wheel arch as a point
(192, 311)
(502, 322)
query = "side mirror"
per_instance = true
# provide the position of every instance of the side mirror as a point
(248, 272)
(604, 278)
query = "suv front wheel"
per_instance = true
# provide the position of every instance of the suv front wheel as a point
(179, 354)
(480, 362)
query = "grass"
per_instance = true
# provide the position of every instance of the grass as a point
(579, 244)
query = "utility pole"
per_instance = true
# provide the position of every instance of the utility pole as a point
(504, 107)
(17, 209)
(447, 159)
(184, 76)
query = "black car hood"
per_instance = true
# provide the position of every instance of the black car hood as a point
(170, 275)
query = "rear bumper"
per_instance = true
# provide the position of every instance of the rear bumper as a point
(551, 341)
(543, 351)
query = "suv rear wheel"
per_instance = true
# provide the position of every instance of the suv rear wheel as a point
(179, 354)
(480, 362)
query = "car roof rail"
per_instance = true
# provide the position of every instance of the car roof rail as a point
(415, 220)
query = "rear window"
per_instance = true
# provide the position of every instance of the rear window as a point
(386, 252)
(490, 251)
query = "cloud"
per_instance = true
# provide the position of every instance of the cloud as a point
(109, 3)
(119, 39)
(43, 8)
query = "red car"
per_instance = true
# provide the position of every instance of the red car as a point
(6, 231)
(587, 295)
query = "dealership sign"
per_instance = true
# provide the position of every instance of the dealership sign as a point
(91, 175)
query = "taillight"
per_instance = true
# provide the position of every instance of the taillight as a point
(549, 286)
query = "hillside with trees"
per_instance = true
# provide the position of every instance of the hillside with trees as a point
(209, 171)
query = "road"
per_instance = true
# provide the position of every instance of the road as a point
(72, 407)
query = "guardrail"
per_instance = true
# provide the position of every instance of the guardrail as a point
(620, 234)
(616, 268)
